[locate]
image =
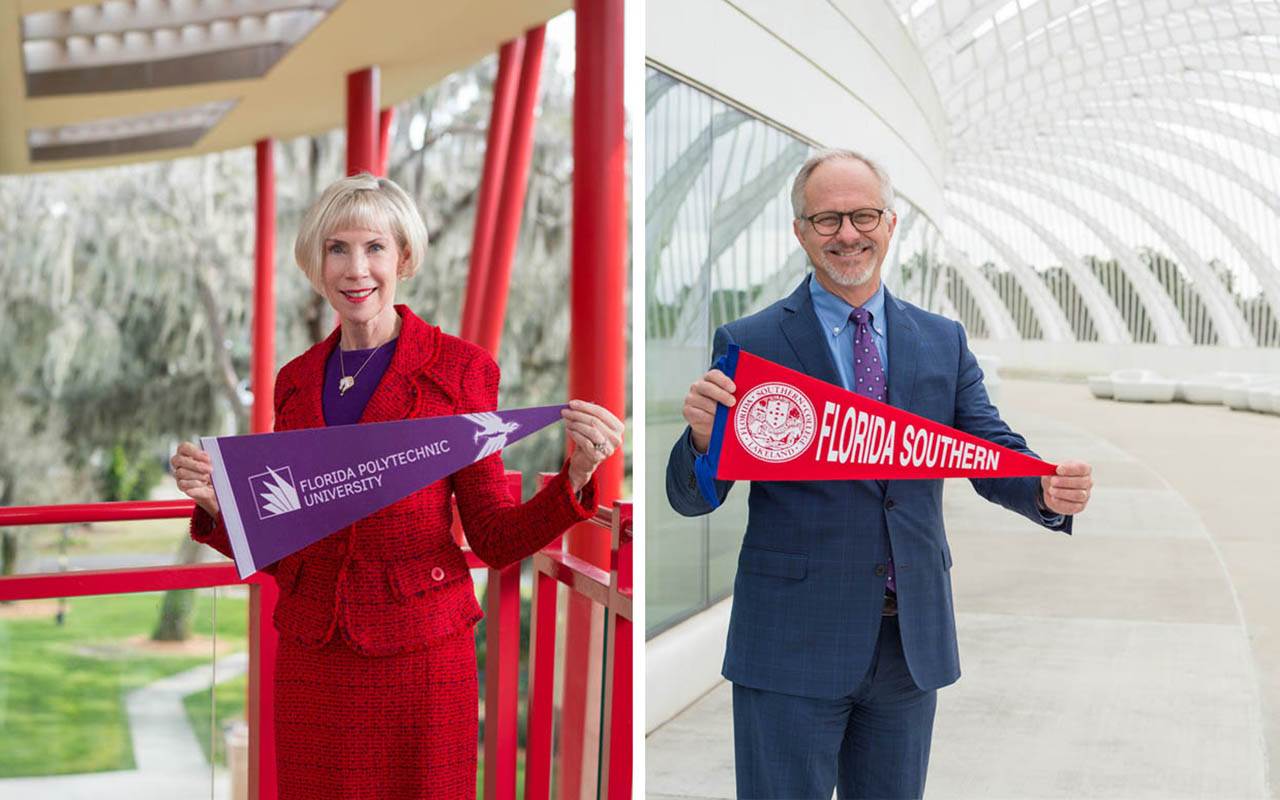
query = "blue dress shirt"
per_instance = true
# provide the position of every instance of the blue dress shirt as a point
(833, 312)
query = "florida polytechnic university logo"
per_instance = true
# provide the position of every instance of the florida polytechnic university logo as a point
(775, 422)
(493, 431)
(274, 493)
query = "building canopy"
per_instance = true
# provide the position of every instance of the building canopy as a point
(93, 84)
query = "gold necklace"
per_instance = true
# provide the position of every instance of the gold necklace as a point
(347, 381)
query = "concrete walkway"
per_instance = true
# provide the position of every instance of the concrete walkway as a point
(1139, 658)
(170, 763)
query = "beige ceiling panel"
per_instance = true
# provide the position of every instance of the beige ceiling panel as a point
(415, 43)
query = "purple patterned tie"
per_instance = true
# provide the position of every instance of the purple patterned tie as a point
(869, 382)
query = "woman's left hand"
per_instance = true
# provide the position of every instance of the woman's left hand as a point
(596, 435)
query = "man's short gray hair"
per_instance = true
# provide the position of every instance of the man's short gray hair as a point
(822, 157)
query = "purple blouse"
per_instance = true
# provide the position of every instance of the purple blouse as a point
(346, 409)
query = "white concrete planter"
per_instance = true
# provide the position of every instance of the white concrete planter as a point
(1262, 397)
(1236, 396)
(1142, 386)
(1209, 389)
(1100, 386)
(1205, 391)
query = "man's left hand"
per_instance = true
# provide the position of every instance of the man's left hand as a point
(1067, 492)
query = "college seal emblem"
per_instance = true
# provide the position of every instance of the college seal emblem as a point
(774, 422)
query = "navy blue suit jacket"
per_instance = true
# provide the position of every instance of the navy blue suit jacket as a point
(809, 591)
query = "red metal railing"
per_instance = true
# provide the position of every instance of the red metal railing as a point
(611, 590)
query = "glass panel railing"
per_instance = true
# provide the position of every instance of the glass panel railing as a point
(100, 545)
(217, 712)
(95, 702)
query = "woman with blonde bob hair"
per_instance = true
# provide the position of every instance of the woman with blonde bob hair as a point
(375, 684)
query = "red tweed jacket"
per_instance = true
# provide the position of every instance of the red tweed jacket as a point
(396, 579)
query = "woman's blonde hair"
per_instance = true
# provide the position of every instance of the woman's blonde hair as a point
(365, 202)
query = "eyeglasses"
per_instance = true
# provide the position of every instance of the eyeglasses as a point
(827, 223)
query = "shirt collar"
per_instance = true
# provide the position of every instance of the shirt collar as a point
(833, 312)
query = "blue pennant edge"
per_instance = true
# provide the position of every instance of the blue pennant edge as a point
(704, 466)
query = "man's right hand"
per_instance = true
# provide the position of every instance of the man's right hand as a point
(700, 405)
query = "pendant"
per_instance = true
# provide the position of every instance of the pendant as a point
(346, 383)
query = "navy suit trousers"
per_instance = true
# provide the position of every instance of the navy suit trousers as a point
(871, 744)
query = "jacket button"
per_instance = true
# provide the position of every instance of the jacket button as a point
(889, 504)
(880, 570)
(437, 574)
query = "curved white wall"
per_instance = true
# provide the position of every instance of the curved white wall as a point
(793, 63)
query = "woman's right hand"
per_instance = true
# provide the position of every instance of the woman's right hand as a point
(193, 470)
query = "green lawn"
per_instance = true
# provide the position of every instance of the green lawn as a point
(62, 687)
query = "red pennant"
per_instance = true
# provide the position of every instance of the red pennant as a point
(787, 426)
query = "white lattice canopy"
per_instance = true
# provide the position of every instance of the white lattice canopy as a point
(1112, 167)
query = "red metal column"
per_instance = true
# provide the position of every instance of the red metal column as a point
(495, 160)
(362, 121)
(262, 379)
(263, 643)
(502, 682)
(502, 674)
(539, 700)
(539, 697)
(385, 120)
(597, 342)
(511, 202)
(597, 348)
(262, 596)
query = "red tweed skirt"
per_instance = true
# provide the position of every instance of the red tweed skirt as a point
(354, 727)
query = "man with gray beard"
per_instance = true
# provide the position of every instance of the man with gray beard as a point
(842, 627)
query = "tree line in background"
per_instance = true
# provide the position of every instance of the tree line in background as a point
(129, 292)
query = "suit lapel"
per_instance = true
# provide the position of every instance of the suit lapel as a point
(803, 330)
(307, 407)
(903, 342)
(393, 399)
(397, 392)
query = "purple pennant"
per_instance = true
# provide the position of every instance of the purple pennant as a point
(280, 492)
